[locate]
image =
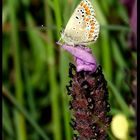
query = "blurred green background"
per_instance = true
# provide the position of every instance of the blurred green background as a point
(35, 69)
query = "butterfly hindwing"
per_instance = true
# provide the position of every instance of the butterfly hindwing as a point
(82, 26)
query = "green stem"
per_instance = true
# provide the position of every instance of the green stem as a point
(31, 99)
(63, 71)
(19, 118)
(104, 37)
(54, 90)
(116, 28)
(57, 16)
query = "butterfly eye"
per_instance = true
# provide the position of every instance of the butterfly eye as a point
(61, 31)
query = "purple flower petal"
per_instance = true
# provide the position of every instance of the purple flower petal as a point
(84, 54)
(83, 57)
(81, 65)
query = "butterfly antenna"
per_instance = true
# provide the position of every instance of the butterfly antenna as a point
(60, 42)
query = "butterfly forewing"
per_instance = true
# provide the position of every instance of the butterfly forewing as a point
(82, 27)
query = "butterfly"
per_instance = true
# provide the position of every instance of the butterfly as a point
(82, 27)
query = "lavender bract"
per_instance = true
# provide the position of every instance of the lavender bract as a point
(83, 57)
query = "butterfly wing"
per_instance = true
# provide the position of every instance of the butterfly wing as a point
(82, 26)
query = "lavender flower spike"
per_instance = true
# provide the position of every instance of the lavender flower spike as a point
(83, 57)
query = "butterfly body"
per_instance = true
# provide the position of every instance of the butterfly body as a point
(82, 27)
